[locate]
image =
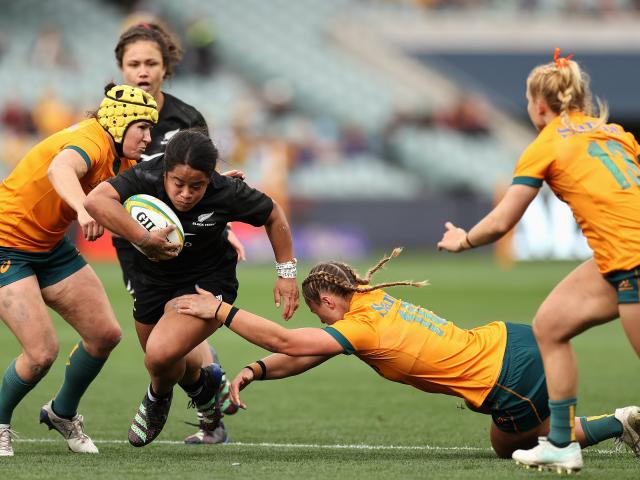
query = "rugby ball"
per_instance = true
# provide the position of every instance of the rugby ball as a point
(152, 213)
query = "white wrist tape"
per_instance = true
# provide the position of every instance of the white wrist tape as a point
(287, 269)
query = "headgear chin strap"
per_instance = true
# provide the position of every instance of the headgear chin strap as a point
(122, 106)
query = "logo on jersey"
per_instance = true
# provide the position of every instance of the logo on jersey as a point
(146, 158)
(5, 266)
(168, 135)
(202, 220)
(204, 216)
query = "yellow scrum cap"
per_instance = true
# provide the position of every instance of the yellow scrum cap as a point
(123, 105)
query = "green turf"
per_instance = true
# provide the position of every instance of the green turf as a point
(320, 424)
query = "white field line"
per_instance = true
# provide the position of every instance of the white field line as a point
(309, 446)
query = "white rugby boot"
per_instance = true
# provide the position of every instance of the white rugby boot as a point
(72, 430)
(629, 417)
(6, 436)
(546, 456)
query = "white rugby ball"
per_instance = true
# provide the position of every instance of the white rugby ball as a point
(152, 213)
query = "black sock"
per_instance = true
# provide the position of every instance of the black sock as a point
(195, 388)
(154, 396)
(199, 391)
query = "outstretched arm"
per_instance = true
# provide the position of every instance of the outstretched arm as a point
(257, 330)
(492, 227)
(272, 367)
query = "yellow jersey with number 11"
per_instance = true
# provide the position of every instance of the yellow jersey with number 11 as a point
(597, 174)
(409, 344)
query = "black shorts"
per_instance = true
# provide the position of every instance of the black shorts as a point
(149, 299)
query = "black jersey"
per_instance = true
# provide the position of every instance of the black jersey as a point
(174, 116)
(206, 250)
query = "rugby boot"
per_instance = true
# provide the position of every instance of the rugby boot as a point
(546, 456)
(629, 417)
(149, 420)
(6, 437)
(72, 430)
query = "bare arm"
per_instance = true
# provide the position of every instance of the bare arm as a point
(260, 331)
(492, 227)
(276, 366)
(65, 172)
(279, 234)
(103, 202)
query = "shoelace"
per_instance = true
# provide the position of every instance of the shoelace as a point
(6, 435)
(76, 428)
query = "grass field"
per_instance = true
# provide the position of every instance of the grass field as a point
(340, 420)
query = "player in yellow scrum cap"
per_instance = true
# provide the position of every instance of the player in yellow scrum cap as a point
(38, 200)
(123, 105)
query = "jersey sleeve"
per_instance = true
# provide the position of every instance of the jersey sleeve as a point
(250, 205)
(130, 182)
(533, 165)
(87, 148)
(354, 333)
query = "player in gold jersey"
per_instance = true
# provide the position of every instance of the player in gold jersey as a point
(39, 267)
(593, 167)
(495, 368)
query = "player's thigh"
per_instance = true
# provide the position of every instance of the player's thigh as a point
(143, 330)
(23, 310)
(176, 335)
(580, 301)
(81, 301)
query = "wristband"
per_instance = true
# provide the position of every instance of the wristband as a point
(250, 367)
(471, 245)
(287, 269)
(221, 312)
(215, 315)
(264, 369)
(230, 315)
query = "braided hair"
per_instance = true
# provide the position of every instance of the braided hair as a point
(565, 87)
(342, 280)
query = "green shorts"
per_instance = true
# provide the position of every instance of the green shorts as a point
(519, 400)
(48, 267)
(626, 284)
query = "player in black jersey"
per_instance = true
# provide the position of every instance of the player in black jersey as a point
(146, 55)
(185, 178)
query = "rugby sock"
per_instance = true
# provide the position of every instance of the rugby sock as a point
(600, 427)
(154, 396)
(201, 395)
(81, 370)
(562, 431)
(194, 389)
(13, 390)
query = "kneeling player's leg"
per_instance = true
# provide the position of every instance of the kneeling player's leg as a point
(505, 443)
